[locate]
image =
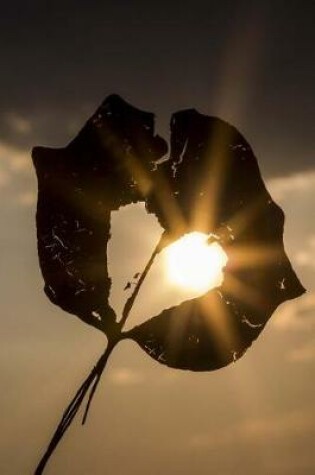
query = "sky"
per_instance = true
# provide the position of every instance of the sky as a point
(249, 63)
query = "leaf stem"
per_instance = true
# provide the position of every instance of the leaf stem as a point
(74, 406)
(130, 301)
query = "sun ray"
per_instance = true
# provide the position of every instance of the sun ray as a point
(212, 184)
(194, 264)
(244, 292)
(217, 320)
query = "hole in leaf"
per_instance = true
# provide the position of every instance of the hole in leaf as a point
(187, 268)
(134, 235)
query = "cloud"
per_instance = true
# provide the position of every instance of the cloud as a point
(279, 188)
(298, 314)
(256, 430)
(306, 257)
(26, 198)
(17, 177)
(14, 160)
(126, 377)
(4, 178)
(18, 124)
(304, 353)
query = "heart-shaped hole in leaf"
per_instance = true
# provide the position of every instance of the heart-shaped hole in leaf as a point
(185, 269)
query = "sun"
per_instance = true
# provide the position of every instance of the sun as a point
(194, 264)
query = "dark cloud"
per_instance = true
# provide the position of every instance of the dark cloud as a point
(249, 62)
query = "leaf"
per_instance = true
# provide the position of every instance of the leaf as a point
(217, 188)
(210, 183)
(202, 334)
(78, 187)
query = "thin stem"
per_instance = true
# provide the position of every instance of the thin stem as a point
(129, 304)
(100, 368)
(73, 408)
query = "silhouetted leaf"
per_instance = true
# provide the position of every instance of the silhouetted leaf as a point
(216, 187)
(210, 183)
(201, 334)
(78, 187)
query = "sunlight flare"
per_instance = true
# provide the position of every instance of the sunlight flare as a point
(192, 263)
